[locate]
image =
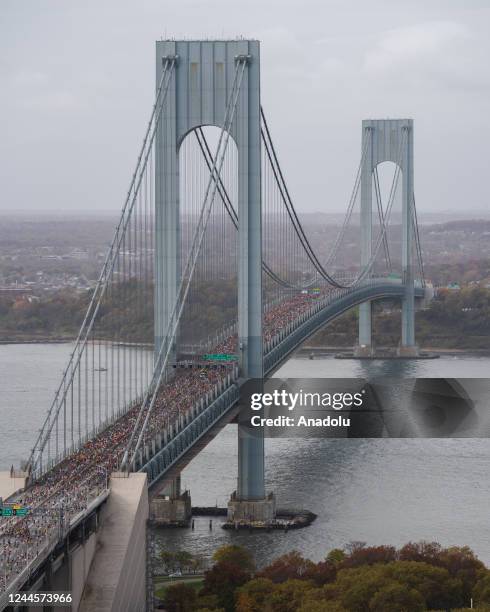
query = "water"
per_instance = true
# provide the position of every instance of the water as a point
(29, 376)
(373, 490)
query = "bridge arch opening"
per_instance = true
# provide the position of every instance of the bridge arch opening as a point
(211, 308)
(387, 194)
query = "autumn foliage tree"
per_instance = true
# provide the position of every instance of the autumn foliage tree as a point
(417, 577)
(233, 568)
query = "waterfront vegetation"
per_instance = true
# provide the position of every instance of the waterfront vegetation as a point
(453, 320)
(416, 577)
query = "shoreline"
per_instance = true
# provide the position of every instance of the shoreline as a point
(70, 340)
(39, 341)
(302, 352)
(332, 350)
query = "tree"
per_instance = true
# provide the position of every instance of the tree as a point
(169, 561)
(336, 556)
(322, 606)
(438, 588)
(197, 563)
(395, 597)
(208, 602)
(222, 580)
(287, 567)
(369, 555)
(288, 596)
(180, 560)
(321, 573)
(461, 563)
(356, 588)
(180, 597)
(481, 590)
(428, 552)
(252, 596)
(184, 560)
(235, 555)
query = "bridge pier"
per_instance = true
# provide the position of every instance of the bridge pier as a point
(408, 347)
(173, 507)
(364, 348)
(248, 512)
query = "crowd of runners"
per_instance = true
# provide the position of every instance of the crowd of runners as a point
(67, 489)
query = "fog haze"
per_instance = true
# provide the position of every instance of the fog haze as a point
(78, 83)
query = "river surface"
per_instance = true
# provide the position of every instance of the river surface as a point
(374, 490)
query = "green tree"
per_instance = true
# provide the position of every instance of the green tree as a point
(235, 555)
(481, 590)
(169, 561)
(288, 596)
(184, 560)
(336, 556)
(395, 597)
(439, 589)
(252, 597)
(321, 606)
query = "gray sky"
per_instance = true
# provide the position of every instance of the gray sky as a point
(78, 80)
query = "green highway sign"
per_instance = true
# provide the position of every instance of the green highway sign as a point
(219, 357)
(13, 511)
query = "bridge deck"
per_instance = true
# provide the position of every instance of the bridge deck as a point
(188, 409)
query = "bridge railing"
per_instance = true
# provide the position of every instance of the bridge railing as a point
(290, 335)
(165, 448)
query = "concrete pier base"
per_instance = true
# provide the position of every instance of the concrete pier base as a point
(408, 351)
(252, 512)
(363, 350)
(171, 511)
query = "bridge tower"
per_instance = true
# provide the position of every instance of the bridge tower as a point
(388, 140)
(200, 88)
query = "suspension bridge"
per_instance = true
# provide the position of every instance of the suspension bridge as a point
(210, 280)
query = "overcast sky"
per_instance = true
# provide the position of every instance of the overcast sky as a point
(77, 81)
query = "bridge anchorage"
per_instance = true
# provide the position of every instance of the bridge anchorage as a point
(210, 283)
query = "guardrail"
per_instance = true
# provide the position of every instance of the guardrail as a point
(158, 456)
(325, 309)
